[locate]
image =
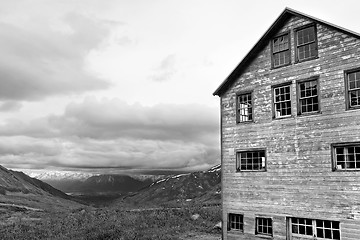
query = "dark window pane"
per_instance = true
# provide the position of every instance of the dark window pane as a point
(302, 229)
(328, 233)
(336, 234)
(319, 232)
(309, 230)
(327, 224)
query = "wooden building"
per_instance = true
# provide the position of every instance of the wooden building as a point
(290, 134)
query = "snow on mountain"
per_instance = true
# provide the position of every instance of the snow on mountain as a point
(205, 186)
(58, 175)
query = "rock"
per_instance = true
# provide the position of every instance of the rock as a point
(218, 225)
(195, 216)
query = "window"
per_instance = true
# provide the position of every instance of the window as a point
(264, 226)
(352, 85)
(306, 43)
(314, 228)
(236, 222)
(251, 161)
(308, 96)
(346, 156)
(244, 108)
(280, 50)
(282, 101)
(327, 229)
(302, 226)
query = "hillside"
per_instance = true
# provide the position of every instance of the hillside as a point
(202, 187)
(18, 182)
(19, 189)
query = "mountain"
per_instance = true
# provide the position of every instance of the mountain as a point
(82, 182)
(101, 184)
(54, 175)
(111, 183)
(204, 186)
(18, 182)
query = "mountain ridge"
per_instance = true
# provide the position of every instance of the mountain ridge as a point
(202, 186)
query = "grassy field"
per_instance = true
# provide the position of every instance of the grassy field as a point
(112, 223)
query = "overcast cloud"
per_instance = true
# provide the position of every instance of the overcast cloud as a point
(40, 62)
(110, 133)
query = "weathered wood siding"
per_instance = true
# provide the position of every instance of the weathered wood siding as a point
(299, 180)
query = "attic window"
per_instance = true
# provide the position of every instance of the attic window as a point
(306, 43)
(280, 50)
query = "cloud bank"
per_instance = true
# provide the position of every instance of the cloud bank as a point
(100, 134)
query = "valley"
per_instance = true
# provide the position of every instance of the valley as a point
(162, 209)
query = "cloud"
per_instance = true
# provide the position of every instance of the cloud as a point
(43, 61)
(166, 69)
(109, 133)
(113, 118)
(9, 106)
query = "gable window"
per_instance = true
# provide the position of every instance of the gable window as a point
(282, 101)
(346, 156)
(244, 107)
(308, 96)
(251, 160)
(280, 50)
(352, 85)
(314, 228)
(236, 222)
(264, 226)
(306, 43)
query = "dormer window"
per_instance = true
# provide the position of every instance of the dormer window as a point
(280, 46)
(306, 43)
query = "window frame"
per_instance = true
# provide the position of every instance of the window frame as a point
(298, 95)
(238, 161)
(273, 100)
(241, 223)
(272, 50)
(237, 106)
(334, 159)
(347, 90)
(296, 30)
(257, 225)
(314, 228)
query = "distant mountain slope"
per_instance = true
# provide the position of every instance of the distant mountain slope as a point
(18, 182)
(198, 186)
(112, 183)
(106, 183)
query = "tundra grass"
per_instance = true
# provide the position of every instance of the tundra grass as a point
(166, 223)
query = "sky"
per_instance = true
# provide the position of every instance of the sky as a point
(126, 86)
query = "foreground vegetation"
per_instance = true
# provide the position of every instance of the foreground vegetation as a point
(108, 223)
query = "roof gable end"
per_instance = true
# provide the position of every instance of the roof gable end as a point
(284, 16)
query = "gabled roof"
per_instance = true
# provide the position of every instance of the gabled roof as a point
(284, 16)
